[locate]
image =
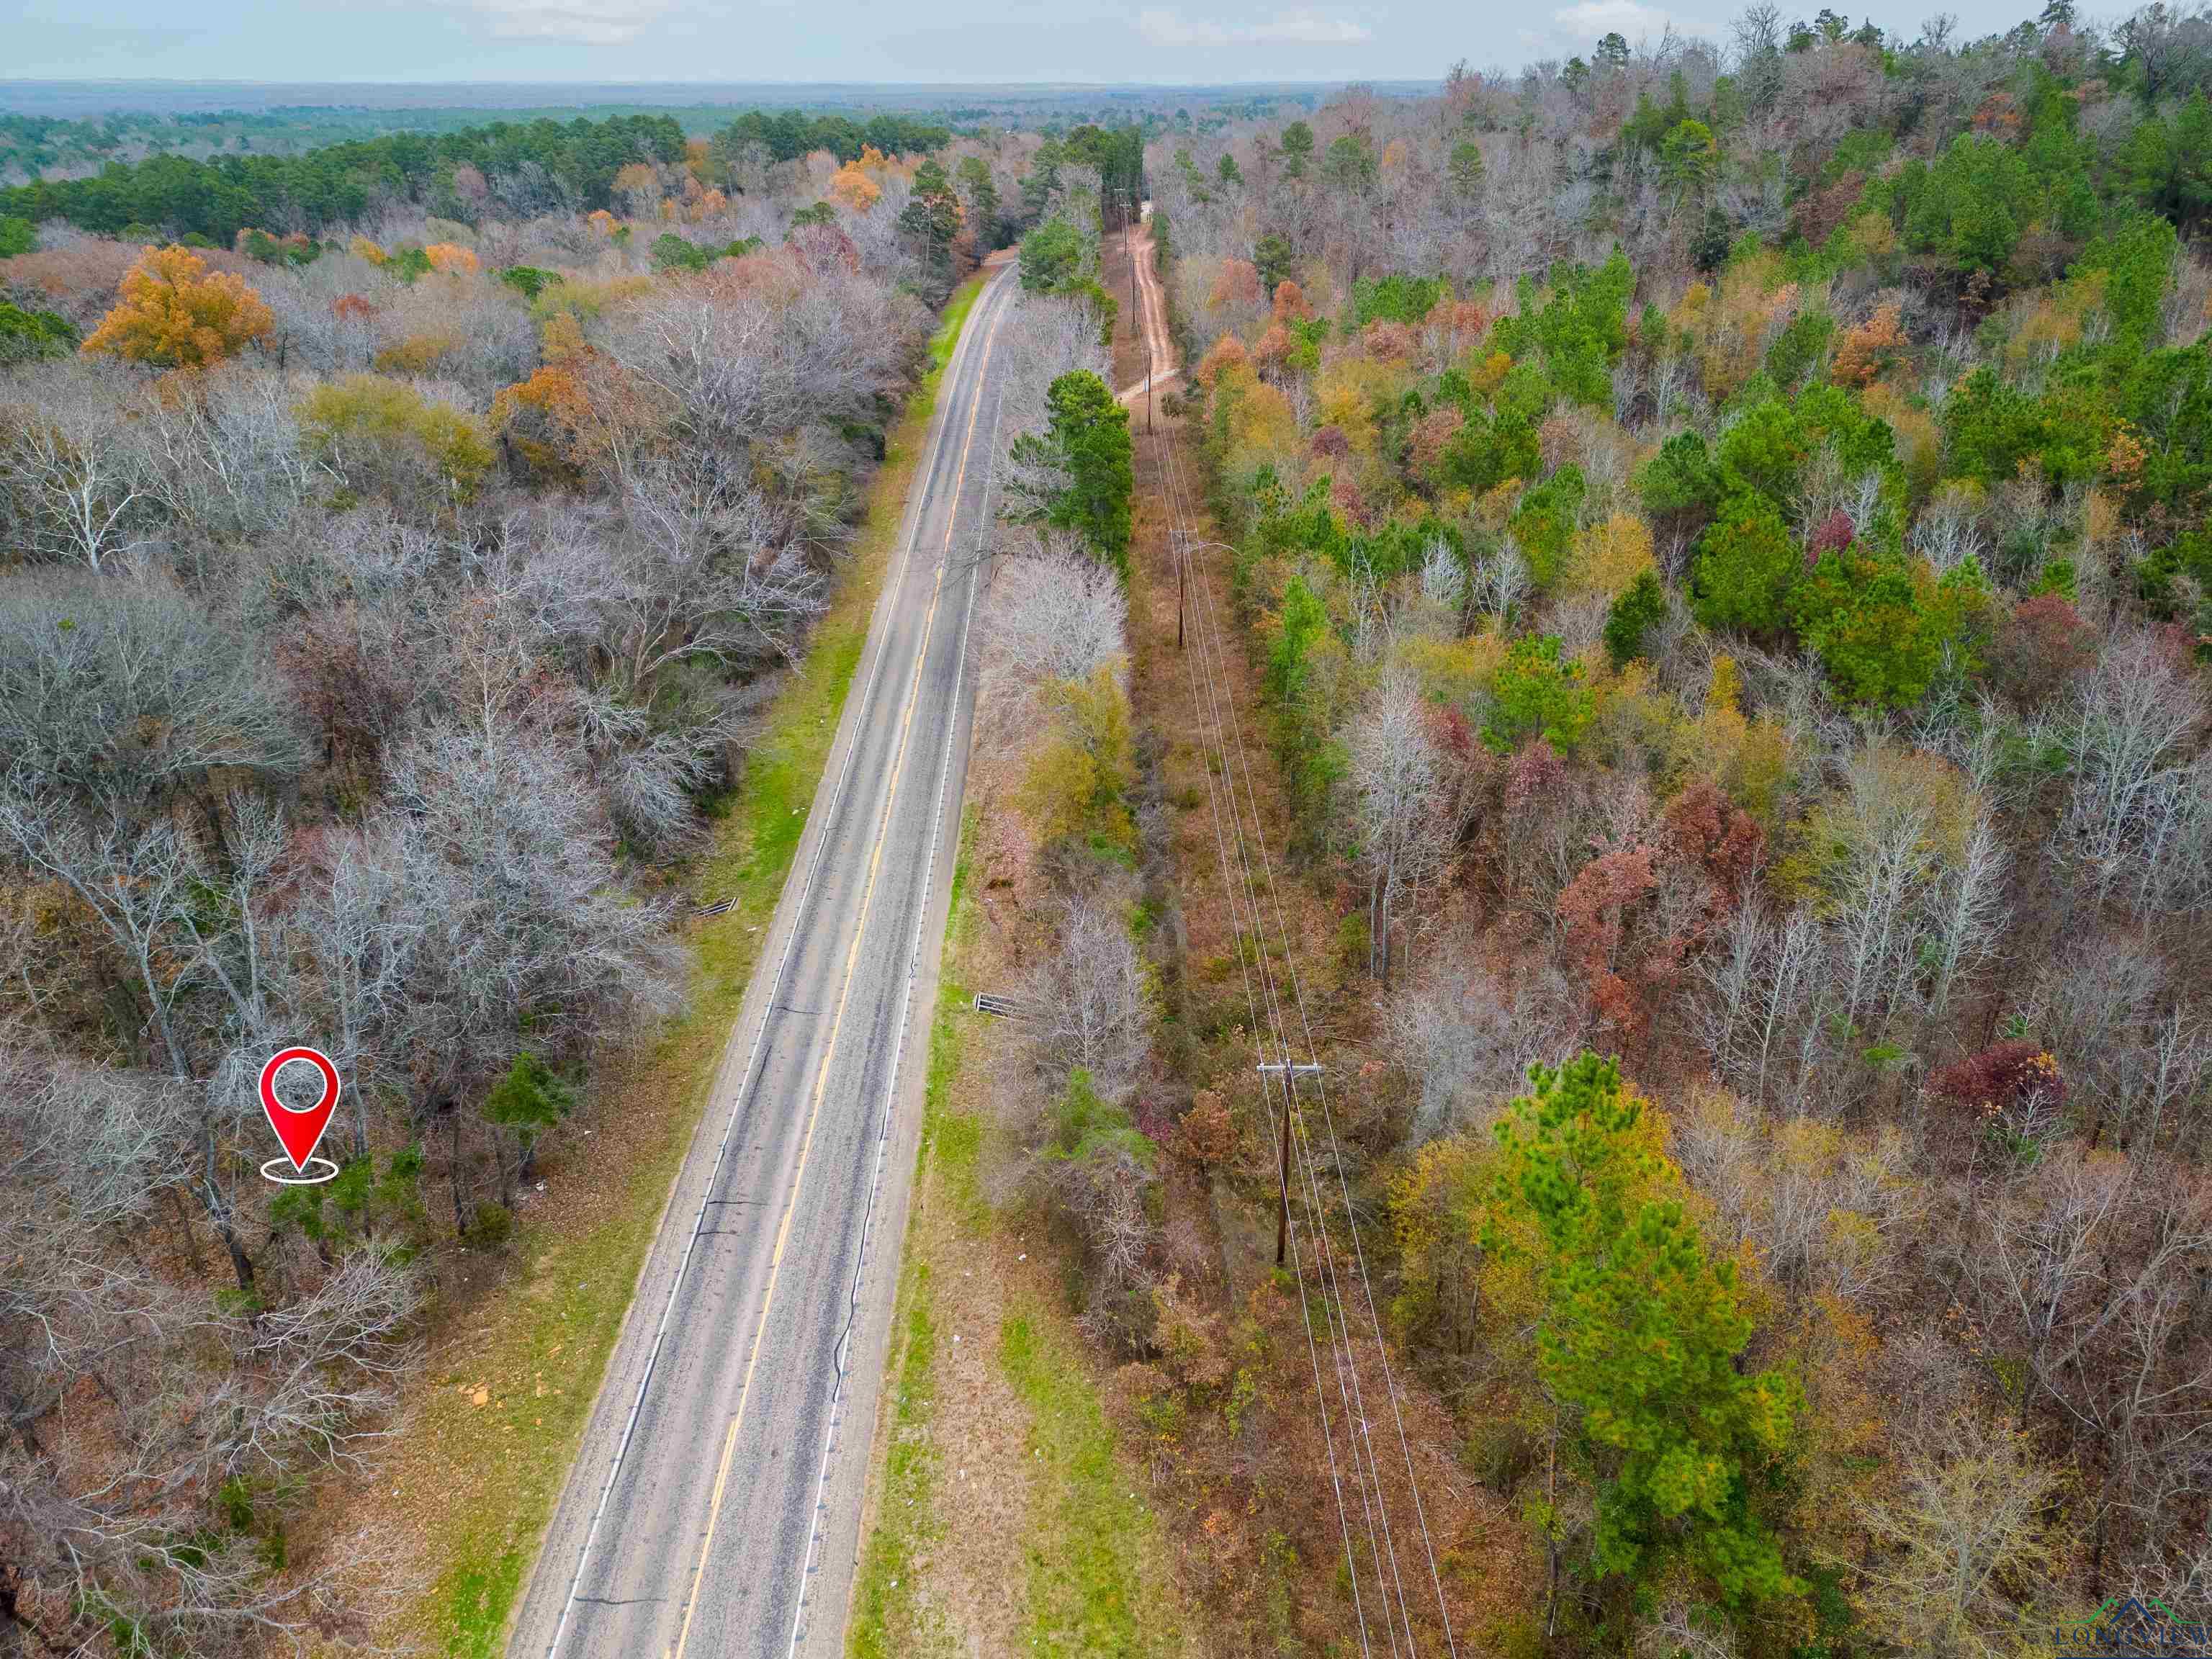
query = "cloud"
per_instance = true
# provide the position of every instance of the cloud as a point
(593, 22)
(1625, 17)
(1304, 26)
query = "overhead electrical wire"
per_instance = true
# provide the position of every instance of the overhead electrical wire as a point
(1208, 631)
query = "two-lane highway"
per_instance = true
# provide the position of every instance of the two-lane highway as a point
(713, 1508)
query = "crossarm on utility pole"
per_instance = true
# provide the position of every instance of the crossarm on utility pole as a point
(1290, 1073)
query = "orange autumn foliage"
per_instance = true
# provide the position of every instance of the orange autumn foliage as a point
(1999, 116)
(451, 256)
(555, 395)
(1469, 320)
(1290, 305)
(176, 313)
(1388, 342)
(2125, 458)
(582, 413)
(1228, 354)
(1274, 348)
(1866, 350)
(855, 184)
(1237, 283)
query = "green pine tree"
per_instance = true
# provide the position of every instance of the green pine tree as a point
(1640, 1335)
(1084, 454)
(528, 1101)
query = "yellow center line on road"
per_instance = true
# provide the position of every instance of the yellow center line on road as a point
(844, 992)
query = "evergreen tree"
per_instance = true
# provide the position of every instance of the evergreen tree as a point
(1053, 255)
(1633, 614)
(932, 218)
(1467, 166)
(528, 1101)
(1083, 460)
(1747, 560)
(1640, 1336)
(982, 194)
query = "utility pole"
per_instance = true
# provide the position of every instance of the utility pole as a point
(1182, 588)
(1291, 1074)
(1182, 570)
(1144, 329)
(1129, 247)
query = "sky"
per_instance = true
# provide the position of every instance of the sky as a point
(1186, 42)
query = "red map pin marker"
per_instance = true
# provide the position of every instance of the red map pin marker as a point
(300, 1131)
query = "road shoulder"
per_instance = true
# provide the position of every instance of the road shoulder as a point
(1004, 1515)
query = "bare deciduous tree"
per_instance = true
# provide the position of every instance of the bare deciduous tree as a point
(71, 455)
(1397, 786)
(1471, 1044)
(1092, 1001)
(1970, 1521)
(117, 691)
(2137, 815)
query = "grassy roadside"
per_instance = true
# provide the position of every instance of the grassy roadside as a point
(484, 1458)
(1094, 1544)
(1061, 1556)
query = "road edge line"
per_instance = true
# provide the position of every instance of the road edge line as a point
(817, 822)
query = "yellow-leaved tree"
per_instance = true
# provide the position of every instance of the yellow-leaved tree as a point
(858, 183)
(1080, 775)
(638, 186)
(451, 256)
(384, 435)
(1609, 556)
(176, 313)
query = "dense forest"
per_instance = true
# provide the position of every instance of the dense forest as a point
(64, 130)
(31, 146)
(498, 170)
(385, 627)
(1722, 545)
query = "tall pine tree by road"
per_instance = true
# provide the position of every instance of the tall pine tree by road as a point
(1083, 462)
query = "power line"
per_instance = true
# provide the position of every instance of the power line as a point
(1370, 1495)
(1280, 1131)
(1209, 627)
(1367, 1473)
(1204, 603)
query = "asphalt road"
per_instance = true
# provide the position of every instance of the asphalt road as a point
(714, 1506)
